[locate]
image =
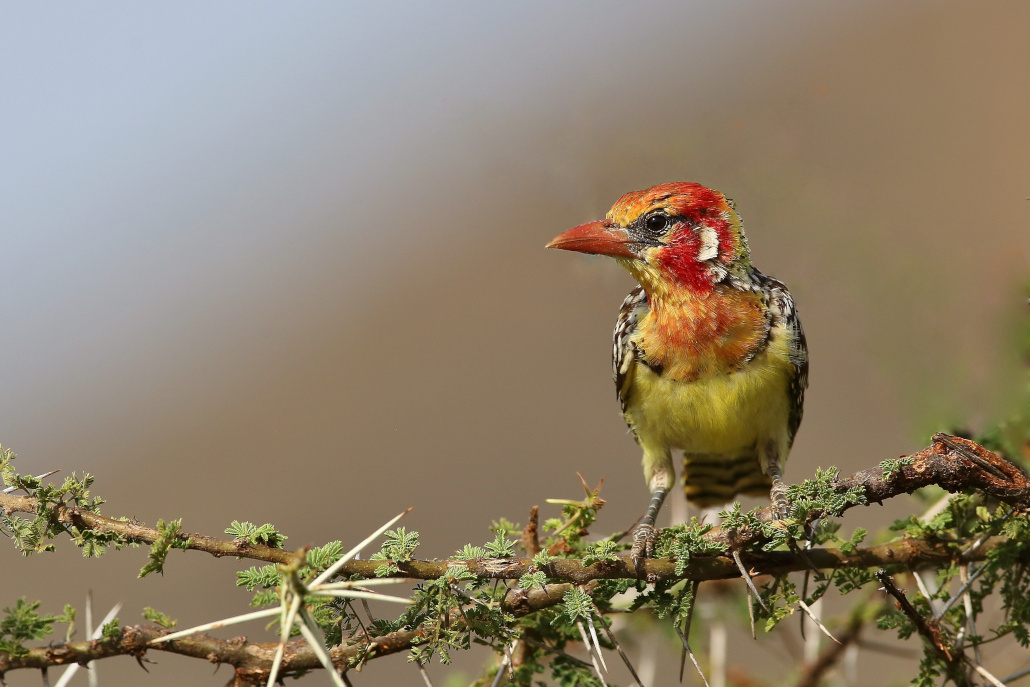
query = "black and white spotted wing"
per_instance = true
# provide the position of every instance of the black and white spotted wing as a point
(786, 315)
(624, 353)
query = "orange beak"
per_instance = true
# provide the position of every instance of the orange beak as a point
(602, 237)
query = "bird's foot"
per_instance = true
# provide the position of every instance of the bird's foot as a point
(643, 545)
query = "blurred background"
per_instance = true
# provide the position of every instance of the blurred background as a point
(284, 263)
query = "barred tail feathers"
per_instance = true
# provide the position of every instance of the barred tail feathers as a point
(714, 479)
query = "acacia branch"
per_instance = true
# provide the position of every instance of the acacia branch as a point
(949, 462)
(952, 463)
(133, 532)
(252, 661)
(906, 551)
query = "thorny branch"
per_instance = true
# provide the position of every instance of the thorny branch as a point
(952, 463)
(251, 660)
(929, 630)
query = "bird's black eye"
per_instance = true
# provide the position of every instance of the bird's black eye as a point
(657, 223)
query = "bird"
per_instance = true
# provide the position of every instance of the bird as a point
(709, 356)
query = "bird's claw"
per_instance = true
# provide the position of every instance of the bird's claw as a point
(643, 544)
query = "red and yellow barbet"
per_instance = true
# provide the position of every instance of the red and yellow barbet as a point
(709, 355)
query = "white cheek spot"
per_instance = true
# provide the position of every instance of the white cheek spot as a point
(709, 244)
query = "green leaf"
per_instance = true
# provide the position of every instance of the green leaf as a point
(575, 604)
(500, 547)
(857, 538)
(111, 631)
(603, 551)
(159, 618)
(399, 546)
(23, 623)
(249, 533)
(893, 466)
(167, 534)
(535, 580)
(469, 552)
(681, 542)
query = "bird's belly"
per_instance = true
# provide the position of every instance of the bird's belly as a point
(727, 413)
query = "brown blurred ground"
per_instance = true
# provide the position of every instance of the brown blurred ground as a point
(881, 170)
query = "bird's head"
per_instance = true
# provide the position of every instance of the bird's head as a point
(670, 237)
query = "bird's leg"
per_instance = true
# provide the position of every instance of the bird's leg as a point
(644, 537)
(660, 473)
(778, 493)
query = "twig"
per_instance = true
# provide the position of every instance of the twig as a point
(368, 611)
(967, 603)
(509, 651)
(750, 589)
(928, 629)
(961, 591)
(808, 573)
(690, 652)
(618, 647)
(500, 672)
(987, 676)
(921, 586)
(557, 652)
(313, 635)
(10, 490)
(686, 626)
(747, 578)
(1016, 675)
(90, 667)
(593, 658)
(531, 534)
(811, 673)
(425, 675)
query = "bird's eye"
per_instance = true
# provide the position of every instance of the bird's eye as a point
(657, 223)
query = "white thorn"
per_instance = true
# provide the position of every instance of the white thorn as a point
(816, 620)
(311, 632)
(593, 659)
(331, 570)
(267, 613)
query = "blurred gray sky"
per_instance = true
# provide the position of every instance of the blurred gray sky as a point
(175, 173)
(252, 250)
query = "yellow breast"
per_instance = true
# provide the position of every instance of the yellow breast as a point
(720, 411)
